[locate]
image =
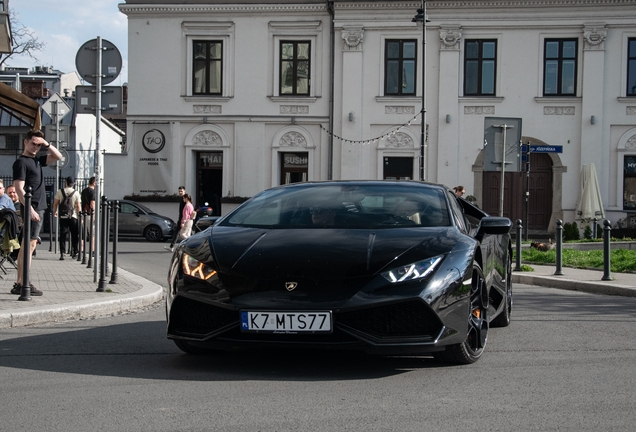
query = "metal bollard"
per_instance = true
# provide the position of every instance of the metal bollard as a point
(101, 284)
(518, 250)
(606, 250)
(25, 294)
(594, 233)
(113, 275)
(79, 245)
(559, 248)
(90, 240)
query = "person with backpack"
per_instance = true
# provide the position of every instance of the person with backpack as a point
(66, 206)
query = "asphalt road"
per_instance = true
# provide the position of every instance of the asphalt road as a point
(567, 362)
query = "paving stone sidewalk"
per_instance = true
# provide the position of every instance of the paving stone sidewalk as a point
(70, 292)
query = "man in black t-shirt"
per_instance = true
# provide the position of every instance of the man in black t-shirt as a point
(88, 207)
(27, 171)
(88, 197)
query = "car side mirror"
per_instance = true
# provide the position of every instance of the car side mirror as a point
(494, 226)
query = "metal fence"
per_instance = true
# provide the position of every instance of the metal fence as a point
(51, 188)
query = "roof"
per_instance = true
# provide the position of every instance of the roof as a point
(20, 107)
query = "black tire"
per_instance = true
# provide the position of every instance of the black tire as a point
(503, 319)
(153, 233)
(188, 348)
(473, 347)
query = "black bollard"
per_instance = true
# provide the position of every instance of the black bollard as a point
(103, 235)
(25, 294)
(606, 250)
(518, 259)
(105, 245)
(113, 275)
(80, 234)
(594, 233)
(559, 248)
(90, 238)
(51, 226)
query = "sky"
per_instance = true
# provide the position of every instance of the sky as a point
(65, 25)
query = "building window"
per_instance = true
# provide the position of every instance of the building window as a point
(629, 183)
(12, 141)
(631, 67)
(400, 67)
(207, 67)
(294, 68)
(559, 74)
(480, 65)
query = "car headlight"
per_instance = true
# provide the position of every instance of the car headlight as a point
(414, 271)
(197, 269)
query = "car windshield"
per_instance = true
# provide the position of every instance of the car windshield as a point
(342, 205)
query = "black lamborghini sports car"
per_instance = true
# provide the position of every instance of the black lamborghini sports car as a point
(388, 267)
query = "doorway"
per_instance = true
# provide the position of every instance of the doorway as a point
(209, 180)
(294, 167)
(515, 183)
(398, 168)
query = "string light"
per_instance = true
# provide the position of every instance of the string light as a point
(376, 139)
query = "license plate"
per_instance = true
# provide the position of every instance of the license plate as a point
(286, 322)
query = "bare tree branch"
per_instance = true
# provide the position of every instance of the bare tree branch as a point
(24, 40)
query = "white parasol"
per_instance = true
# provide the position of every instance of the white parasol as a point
(590, 204)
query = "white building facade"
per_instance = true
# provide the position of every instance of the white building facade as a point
(230, 98)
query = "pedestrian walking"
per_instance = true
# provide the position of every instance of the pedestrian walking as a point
(88, 207)
(175, 236)
(67, 207)
(187, 217)
(27, 172)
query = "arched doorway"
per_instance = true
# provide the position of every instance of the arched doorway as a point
(539, 186)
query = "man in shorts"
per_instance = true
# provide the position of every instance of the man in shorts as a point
(27, 171)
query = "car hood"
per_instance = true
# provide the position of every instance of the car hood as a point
(326, 253)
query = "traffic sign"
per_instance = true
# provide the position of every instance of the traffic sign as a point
(86, 61)
(56, 106)
(62, 163)
(58, 136)
(86, 99)
(543, 149)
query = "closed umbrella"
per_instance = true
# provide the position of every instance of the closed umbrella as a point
(590, 204)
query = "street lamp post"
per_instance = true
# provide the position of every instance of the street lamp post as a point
(421, 19)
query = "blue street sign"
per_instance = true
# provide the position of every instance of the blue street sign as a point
(543, 149)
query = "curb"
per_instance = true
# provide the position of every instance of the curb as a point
(149, 294)
(573, 285)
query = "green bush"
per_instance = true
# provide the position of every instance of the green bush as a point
(587, 233)
(571, 231)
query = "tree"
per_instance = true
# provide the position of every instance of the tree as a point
(24, 41)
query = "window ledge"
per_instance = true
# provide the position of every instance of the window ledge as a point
(393, 99)
(206, 98)
(558, 99)
(482, 99)
(306, 99)
(626, 99)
